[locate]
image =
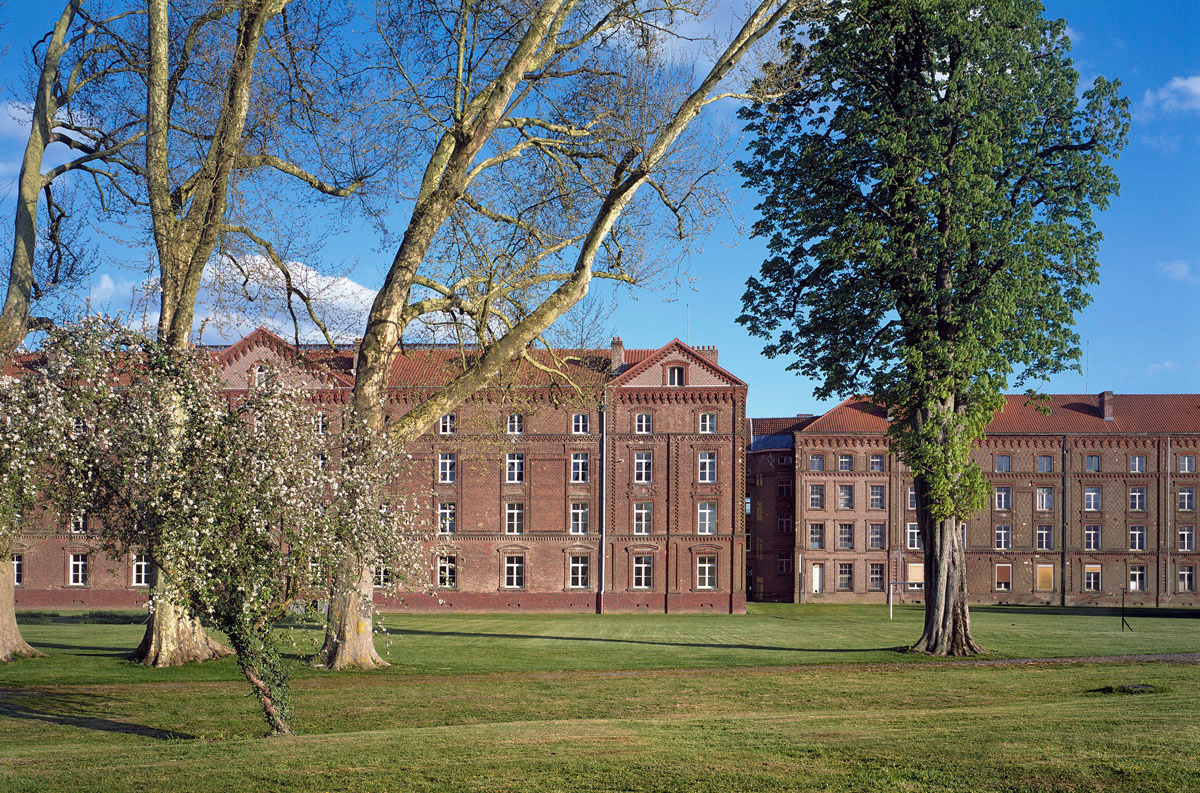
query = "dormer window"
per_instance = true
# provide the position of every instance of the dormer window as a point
(260, 375)
(516, 424)
(579, 424)
(448, 425)
(675, 375)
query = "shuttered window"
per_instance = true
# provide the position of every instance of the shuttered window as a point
(1045, 577)
(1003, 577)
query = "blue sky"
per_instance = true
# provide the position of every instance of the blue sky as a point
(1142, 330)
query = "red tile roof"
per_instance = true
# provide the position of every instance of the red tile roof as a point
(781, 426)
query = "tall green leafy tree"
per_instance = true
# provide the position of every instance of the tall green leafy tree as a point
(928, 198)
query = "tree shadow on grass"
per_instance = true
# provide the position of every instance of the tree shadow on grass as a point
(1089, 611)
(83, 649)
(74, 710)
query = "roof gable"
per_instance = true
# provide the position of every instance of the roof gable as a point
(234, 361)
(640, 375)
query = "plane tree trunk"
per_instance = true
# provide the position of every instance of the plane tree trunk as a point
(12, 644)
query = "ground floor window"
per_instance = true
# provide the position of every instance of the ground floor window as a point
(448, 572)
(1137, 578)
(875, 579)
(783, 564)
(1091, 578)
(916, 576)
(845, 576)
(1187, 578)
(1045, 577)
(141, 569)
(643, 572)
(18, 563)
(514, 572)
(706, 572)
(79, 569)
(1004, 578)
(383, 577)
(579, 572)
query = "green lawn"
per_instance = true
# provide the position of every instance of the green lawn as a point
(785, 698)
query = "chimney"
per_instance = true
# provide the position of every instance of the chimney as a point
(708, 352)
(616, 356)
(1106, 405)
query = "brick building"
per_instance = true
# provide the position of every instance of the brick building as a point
(606, 479)
(1097, 496)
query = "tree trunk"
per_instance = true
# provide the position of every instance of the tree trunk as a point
(12, 645)
(350, 633)
(174, 637)
(947, 617)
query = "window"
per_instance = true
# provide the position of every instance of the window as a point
(1187, 578)
(706, 469)
(816, 536)
(875, 578)
(643, 521)
(818, 578)
(579, 572)
(1045, 538)
(706, 572)
(845, 496)
(322, 461)
(382, 577)
(1091, 499)
(580, 517)
(447, 570)
(785, 489)
(916, 576)
(514, 572)
(1091, 463)
(783, 564)
(1004, 578)
(912, 497)
(515, 467)
(1003, 538)
(876, 462)
(674, 375)
(1045, 499)
(1137, 499)
(1187, 463)
(783, 526)
(1045, 464)
(579, 424)
(643, 424)
(1187, 498)
(1137, 578)
(643, 466)
(643, 572)
(706, 517)
(79, 569)
(448, 425)
(816, 462)
(1187, 538)
(1137, 464)
(579, 466)
(447, 463)
(875, 537)
(141, 569)
(321, 424)
(79, 523)
(915, 543)
(447, 517)
(877, 496)
(514, 517)
(1091, 538)
(1044, 580)
(845, 576)
(1003, 463)
(845, 536)
(1091, 578)
(18, 563)
(845, 462)
(816, 496)
(516, 424)
(708, 423)
(1137, 538)
(1003, 498)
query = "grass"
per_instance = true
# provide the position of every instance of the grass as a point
(785, 698)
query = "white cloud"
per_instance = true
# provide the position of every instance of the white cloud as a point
(1074, 34)
(1165, 366)
(103, 290)
(1177, 270)
(1180, 94)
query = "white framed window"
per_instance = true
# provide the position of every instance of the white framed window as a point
(78, 569)
(1004, 578)
(816, 462)
(708, 423)
(1091, 463)
(1137, 538)
(1137, 463)
(447, 517)
(1003, 499)
(845, 496)
(912, 497)
(514, 571)
(1187, 499)
(514, 517)
(643, 466)
(875, 537)
(1045, 537)
(382, 577)
(877, 496)
(260, 375)
(1091, 578)
(784, 526)
(448, 424)
(515, 467)
(18, 563)
(579, 572)
(916, 576)
(1187, 463)
(643, 572)
(706, 467)
(579, 423)
(706, 572)
(816, 536)
(581, 516)
(447, 467)
(675, 375)
(1003, 537)
(1137, 499)
(876, 463)
(845, 462)
(1187, 578)
(706, 517)
(579, 466)
(915, 543)
(1091, 499)
(322, 462)
(79, 523)
(643, 423)
(845, 582)
(1003, 463)
(1045, 499)
(1187, 538)
(1137, 578)
(1091, 538)
(1045, 464)
(516, 424)
(875, 577)
(845, 540)
(321, 424)
(141, 570)
(816, 496)
(643, 518)
(447, 572)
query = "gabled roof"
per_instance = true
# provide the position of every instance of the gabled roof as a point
(316, 364)
(781, 426)
(662, 353)
(854, 415)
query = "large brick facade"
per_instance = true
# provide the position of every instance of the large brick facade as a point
(1096, 497)
(618, 486)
